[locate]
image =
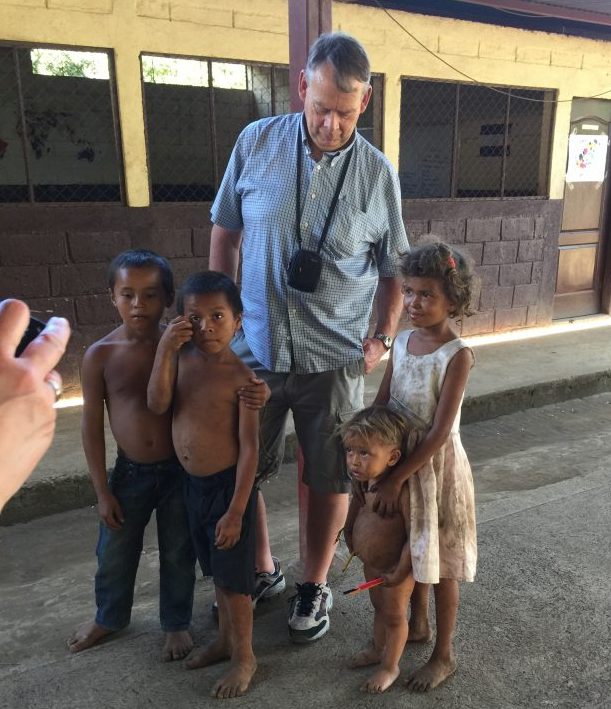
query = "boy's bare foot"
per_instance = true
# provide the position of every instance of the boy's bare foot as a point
(178, 644)
(363, 658)
(87, 635)
(216, 651)
(380, 681)
(236, 682)
(431, 675)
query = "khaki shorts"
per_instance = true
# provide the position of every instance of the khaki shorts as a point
(319, 402)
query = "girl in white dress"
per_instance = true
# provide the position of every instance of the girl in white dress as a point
(425, 380)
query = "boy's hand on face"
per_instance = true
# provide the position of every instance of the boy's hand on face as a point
(178, 332)
(228, 530)
(386, 503)
(110, 511)
(255, 394)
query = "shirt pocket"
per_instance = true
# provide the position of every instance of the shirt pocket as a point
(349, 234)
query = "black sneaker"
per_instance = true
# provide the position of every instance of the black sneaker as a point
(267, 585)
(309, 613)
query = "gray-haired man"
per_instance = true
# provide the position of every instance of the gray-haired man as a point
(316, 211)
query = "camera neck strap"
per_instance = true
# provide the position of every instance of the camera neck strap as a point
(338, 189)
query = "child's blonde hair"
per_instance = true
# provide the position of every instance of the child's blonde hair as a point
(377, 422)
(436, 259)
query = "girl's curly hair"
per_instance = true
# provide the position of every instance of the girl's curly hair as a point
(436, 259)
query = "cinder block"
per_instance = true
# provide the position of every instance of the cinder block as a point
(537, 272)
(488, 275)
(526, 295)
(260, 23)
(452, 44)
(99, 6)
(415, 229)
(84, 279)
(97, 246)
(452, 232)
(157, 9)
(24, 281)
(45, 308)
(201, 241)
(184, 267)
(540, 224)
(497, 50)
(530, 250)
(500, 252)
(533, 55)
(474, 252)
(509, 319)
(193, 11)
(515, 228)
(567, 59)
(532, 316)
(171, 243)
(478, 323)
(32, 249)
(24, 3)
(484, 229)
(95, 310)
(515, 274)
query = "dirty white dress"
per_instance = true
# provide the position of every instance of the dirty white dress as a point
(442, 505)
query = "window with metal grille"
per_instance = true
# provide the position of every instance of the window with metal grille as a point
(460, 140)
(196, 108)
(58, 137)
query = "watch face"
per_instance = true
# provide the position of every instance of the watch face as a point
(386, 340)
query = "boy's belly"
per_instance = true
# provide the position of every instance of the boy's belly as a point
(199, 452)
(377, 541)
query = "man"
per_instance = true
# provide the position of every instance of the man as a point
(306, 193)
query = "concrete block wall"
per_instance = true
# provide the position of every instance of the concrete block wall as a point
(56, 259)
(513, 247)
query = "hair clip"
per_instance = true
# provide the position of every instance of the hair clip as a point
(451, 261)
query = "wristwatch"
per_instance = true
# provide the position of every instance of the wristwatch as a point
(386, 340)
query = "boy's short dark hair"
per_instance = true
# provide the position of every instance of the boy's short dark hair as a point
(210, 282)
(142, 258)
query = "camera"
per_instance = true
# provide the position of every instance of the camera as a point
(35, 327)
(304, 270)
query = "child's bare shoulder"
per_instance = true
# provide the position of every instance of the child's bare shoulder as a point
(100, 349)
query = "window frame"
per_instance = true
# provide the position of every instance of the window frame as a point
(454, 166)
(114, 109)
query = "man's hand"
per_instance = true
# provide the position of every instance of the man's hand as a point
(29, 386)
(373, 350)
(255, 394)
(110, 510)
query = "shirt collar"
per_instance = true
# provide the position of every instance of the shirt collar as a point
(331, 157)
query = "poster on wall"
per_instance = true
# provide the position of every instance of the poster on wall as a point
(587, 158)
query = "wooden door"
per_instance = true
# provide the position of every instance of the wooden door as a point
(584, 232)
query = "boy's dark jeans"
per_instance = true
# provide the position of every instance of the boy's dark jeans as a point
(140, 489)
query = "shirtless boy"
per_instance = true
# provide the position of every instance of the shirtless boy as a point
(147, 475)
(216, 439)
(374, 442)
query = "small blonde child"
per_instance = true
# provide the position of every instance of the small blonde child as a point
(425, 380)
(374, 442)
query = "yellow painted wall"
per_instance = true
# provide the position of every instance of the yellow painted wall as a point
(257, 30)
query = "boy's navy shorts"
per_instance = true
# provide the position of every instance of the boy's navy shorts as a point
(207, 498)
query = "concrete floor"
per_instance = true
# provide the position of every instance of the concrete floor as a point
(534, 629)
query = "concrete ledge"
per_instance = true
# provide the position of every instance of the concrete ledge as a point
(60, 494)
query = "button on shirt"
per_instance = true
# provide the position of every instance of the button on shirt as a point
(286, 329)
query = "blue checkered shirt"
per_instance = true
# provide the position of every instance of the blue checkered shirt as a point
(286, 329)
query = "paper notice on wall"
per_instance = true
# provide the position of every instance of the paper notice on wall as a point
(587, 158)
